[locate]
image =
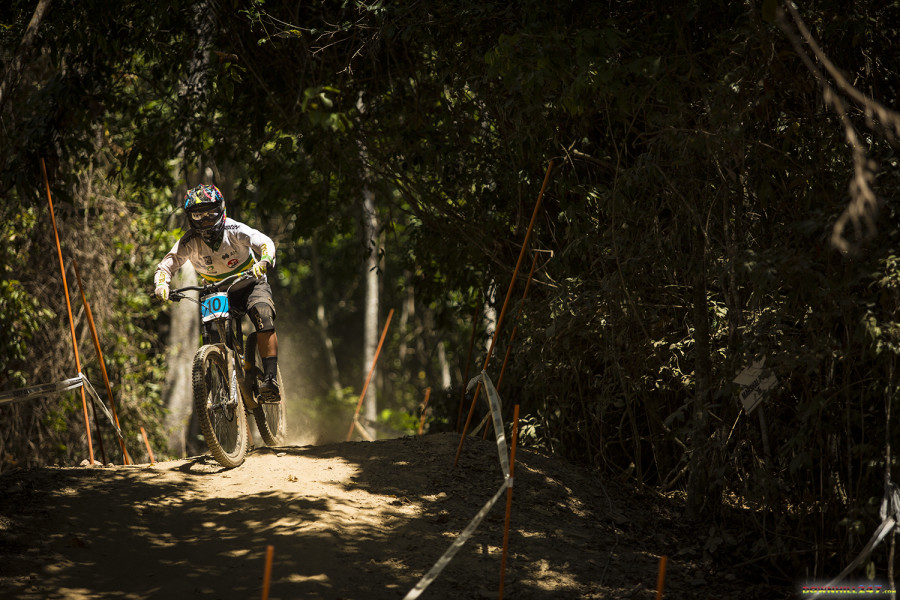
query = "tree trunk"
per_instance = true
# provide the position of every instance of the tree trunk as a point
(445, 367)
(370, 341)
(489, 318)
(702, 457)
(26, 46)
(408, 313)
(322, 320)
(178, 395)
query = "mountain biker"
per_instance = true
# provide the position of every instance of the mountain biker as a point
(219, 247)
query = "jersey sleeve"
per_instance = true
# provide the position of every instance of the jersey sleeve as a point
(262, 245)
(171, 262)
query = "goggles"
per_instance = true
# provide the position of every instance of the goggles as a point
(205, 217)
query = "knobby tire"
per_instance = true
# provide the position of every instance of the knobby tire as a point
(223, 422)
(271, 419)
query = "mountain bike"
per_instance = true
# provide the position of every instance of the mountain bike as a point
(225, 377)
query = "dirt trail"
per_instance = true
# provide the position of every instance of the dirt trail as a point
(356, 520)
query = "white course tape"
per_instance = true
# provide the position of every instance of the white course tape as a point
(93, 392)
(444, 560)
(499, 430)
(41, 390)
(890, 512)
(54, 388)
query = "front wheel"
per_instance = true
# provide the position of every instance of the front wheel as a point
(271, 419)
(218, 407)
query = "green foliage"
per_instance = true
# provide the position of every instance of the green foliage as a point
(683, 236)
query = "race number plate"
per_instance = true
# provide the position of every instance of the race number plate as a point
(214, 306)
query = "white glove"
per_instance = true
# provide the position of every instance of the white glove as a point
(259, 269)
(162, 291)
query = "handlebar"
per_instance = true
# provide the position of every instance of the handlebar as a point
(178, 293)
(214, 285)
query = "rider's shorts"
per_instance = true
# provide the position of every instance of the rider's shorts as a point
(260, 306)
(255, 300)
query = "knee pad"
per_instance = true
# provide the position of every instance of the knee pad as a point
(263, 316)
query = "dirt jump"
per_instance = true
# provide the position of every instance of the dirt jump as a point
(355, 520)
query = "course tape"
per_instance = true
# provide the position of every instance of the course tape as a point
(47, 389)
(93, 392)
(444, 560)
(40, 390)
(890, 514)
(494, 401)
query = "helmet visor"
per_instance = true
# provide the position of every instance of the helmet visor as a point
(206, 218)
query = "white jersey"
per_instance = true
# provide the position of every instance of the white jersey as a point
(241, 248)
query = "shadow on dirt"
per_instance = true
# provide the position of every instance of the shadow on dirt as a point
(354, 520)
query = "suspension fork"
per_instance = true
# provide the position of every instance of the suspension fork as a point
(244, 362)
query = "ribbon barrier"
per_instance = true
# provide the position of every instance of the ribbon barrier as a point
(502, 450)
(445, 559)
(38, 391)
(890, 515)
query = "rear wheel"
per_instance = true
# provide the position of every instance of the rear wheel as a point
(220, 414)
(271, 419)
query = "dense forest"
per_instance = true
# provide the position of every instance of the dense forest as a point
(720, 192)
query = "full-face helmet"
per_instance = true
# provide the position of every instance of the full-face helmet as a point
(205, 208)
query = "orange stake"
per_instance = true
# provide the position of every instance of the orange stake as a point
(512, 284)
(509, 493)
(424, 408)
(147, 443)
(662, 577)
(62, 270)
(512, 337)
(112, 403)
(267, 573)
(369, 377)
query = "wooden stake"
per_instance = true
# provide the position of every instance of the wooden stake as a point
(362, 396)
(509, 493)
(512, 336)
(147, 443)
(512, 284)
(662, 577)
(62, 270)
(112, 403)
(267, 573)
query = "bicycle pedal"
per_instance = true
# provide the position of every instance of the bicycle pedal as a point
(268, 397)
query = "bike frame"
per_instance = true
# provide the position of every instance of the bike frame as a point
(226, 324)
(223, 402)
